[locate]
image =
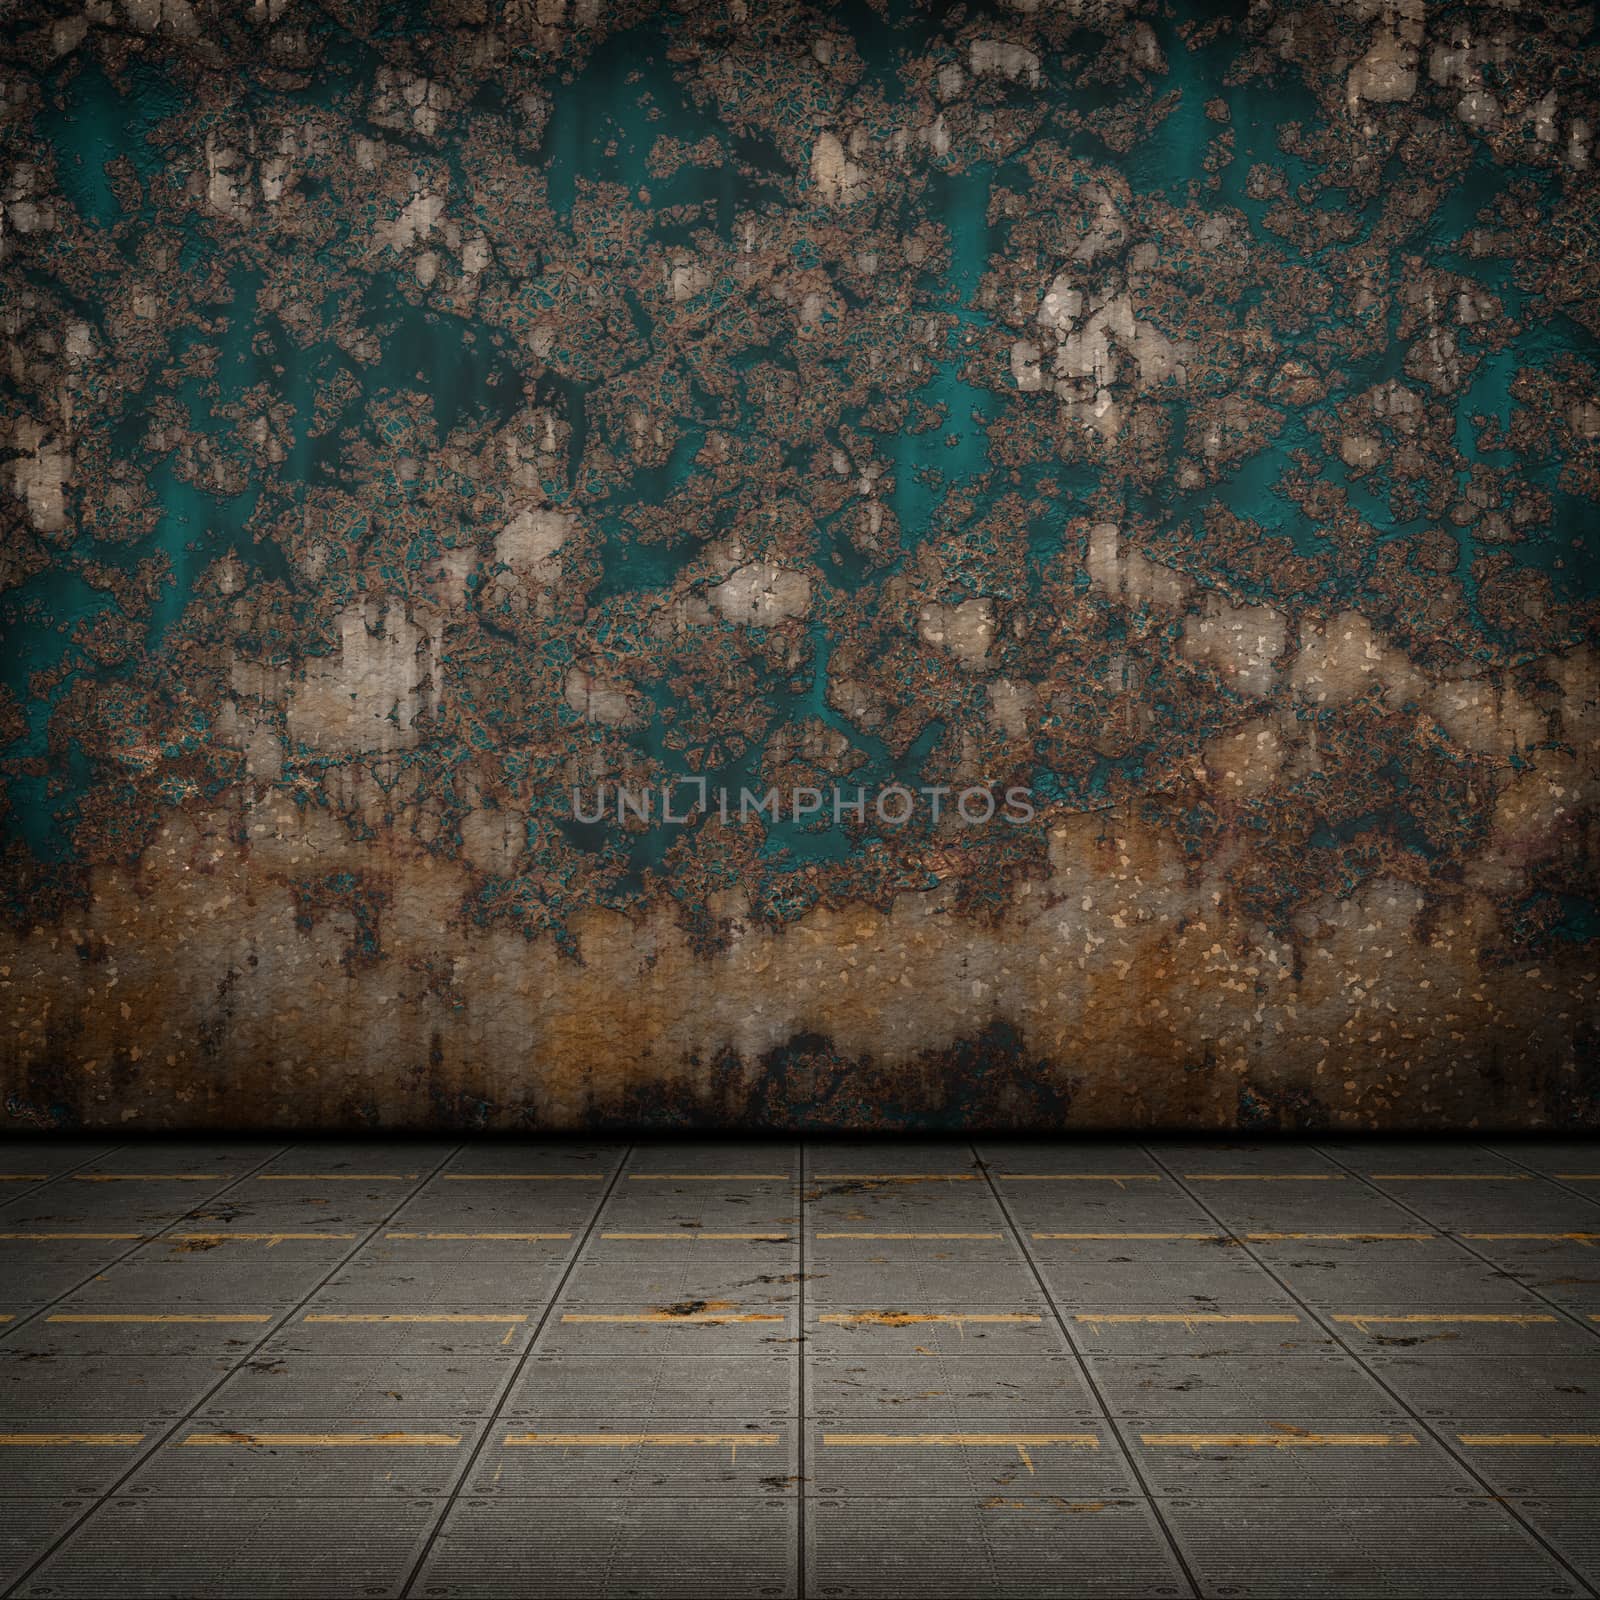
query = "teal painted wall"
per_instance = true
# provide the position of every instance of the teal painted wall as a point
(419, 423)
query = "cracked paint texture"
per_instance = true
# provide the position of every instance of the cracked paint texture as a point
(1189, 413)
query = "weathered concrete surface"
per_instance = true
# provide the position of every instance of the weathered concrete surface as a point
(1188, 422)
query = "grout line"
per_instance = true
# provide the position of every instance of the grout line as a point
(1563, 1312)
(800, 1377)
(147, 1235)
(1419, 1422)
(38, 1312)
(491, 1421)
(158, 1438)
(1554, 1180)
(1109, 1421)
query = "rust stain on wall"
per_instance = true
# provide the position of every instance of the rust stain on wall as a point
(417, 422)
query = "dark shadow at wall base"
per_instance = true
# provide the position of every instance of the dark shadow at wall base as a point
(990, 1083)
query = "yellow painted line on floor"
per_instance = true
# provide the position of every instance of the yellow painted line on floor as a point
(672, 1316)
(1275, 1441)
(1585, 1441)
(321, 1440)
(1022, 1443)
(24, 1177)
(335, 1177)
(70, 1438)
(6, 1316)
(896, 1177)
(522, 1177)
(204, 1317)
(1579, 1177)
(710, 1177)
(1574, 1238)
(477, 1236)
(910, 1236)
(689, 1236)
(147, 1177)
(415, 1316)
(904, 1319)
(1185, 1318)
(1209, 1237)
(734, 1442)
(76, 1236)
(1082, 1177)
(1364, 1238)
(887, 1441)
(256, 1238)
(1516, 1319)
(1263, 1177)
(1450, 1177)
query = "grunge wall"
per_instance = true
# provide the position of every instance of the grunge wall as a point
(1188, 413)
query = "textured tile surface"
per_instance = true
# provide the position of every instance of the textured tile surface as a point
(1254, 1412)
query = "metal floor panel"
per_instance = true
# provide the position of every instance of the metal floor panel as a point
(997, 1547)
(1054, 1374)
(1229, 1329)
(1378, 1271)
(51, 1156)
(348, 1160)
(77, 1327)
(198, 1267)
(1361, 1549)
(943, 1385)
(684, 1327)
(1222, 1385)
(334, 1457)
(656, 1385)
(49, 1457)
(37, 1269)
(989, 1328)
(1528, 1455)
(237, 1550)
(336, 1327)
(966, 1458)
(630, 1457)
(1558, 1386)
(671, 1269)
(1133, 1268)
(250, 1207)
(573, 1158)
(29, 1527)
(1465, 1330)
(35, 1383)
(443, 1269)
(357, 1385)
(1315, 1457)
(1573, 1529)
(500, 1208)
(1085, 1205)
(505, 1549)
(922, 1271)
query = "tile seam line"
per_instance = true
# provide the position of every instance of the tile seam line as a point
(491, 1421)
(29, 1189)
(40, 1313)
(1567, 1189)
(800, 1374)
(1110, 1422)
(1563, 1313)
(1421, 1424)
(158, 1440)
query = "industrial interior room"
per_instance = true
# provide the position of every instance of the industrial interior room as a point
(798, 799)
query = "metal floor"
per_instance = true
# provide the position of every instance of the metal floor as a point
(874, 1369)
